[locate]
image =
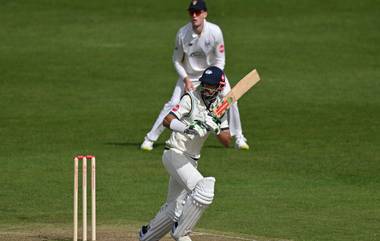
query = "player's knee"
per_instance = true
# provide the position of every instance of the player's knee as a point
(203, 192)
(172, 211)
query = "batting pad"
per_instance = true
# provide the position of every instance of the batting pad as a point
(198, 201)
(159, 226)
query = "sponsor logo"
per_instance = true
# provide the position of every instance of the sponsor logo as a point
(197, 54)
(175, 108)
(221, 48)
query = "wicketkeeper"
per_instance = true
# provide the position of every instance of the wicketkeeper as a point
(189, 193)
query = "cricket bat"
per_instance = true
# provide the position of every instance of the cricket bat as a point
(236, 92)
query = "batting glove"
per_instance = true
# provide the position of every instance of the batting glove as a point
(215, 104)
(197, 128)
(212, 124)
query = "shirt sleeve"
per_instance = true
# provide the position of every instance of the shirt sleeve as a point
(220, 58)
(183, 108)
(178, 55)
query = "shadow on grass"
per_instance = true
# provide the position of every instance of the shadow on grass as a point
(136, 145)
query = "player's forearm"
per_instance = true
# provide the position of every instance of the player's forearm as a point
(177, 58)
(225, 138)
(180, 69)
(174, 124)
(167, 120)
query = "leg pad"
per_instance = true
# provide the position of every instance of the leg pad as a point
(201, 197)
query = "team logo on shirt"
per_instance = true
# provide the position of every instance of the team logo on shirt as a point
(197, 54)
(221, 48)
(175, 108)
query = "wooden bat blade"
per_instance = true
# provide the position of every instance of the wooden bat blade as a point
(237, 92)
(245, 84)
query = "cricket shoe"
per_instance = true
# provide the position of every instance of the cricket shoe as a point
(183, 238)
(144, 229)
(241, 144)
(147, 145)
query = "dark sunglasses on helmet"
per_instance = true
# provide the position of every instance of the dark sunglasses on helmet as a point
(196, 12)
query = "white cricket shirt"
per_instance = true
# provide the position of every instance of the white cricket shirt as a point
(190, 108)
(193, 53)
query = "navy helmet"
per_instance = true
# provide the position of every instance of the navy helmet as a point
(213, 76)
(212, 83)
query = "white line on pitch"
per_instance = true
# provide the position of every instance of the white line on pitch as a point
(223, 236)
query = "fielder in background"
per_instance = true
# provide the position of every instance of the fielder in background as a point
(199, 44)
(189, 193)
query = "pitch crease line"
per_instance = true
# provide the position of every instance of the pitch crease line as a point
(223, 236)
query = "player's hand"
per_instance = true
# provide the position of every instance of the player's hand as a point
(219, 100)
(188, 84)
(197, 128)
(216, 103)
(212, 124)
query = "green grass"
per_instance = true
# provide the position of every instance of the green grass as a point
(91, 76)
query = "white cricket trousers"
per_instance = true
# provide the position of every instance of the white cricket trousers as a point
(179, 90)
(184, 175)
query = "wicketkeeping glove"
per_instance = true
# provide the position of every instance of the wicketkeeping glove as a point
(212, 124)
(197, 128)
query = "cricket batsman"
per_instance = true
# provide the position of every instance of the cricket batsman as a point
(189, 192)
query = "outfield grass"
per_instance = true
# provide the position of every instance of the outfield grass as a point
(91, 76)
